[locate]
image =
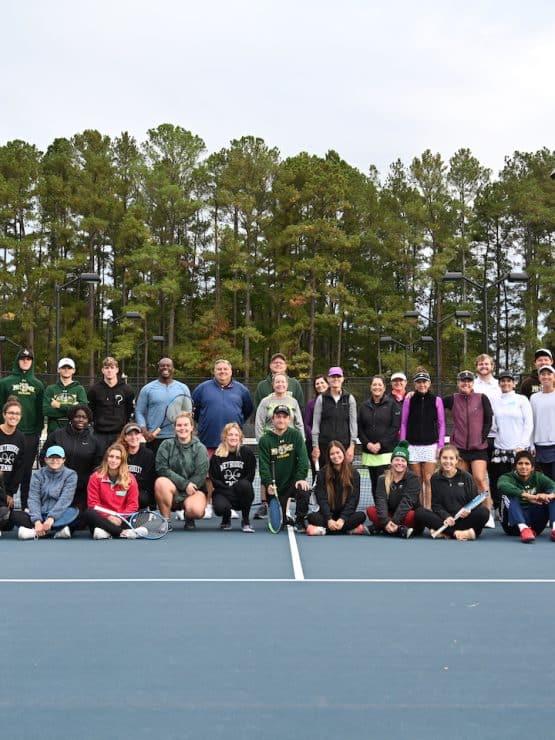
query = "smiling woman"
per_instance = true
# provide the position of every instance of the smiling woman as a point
(12, 444)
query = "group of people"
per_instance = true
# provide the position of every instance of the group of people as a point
(184, 452)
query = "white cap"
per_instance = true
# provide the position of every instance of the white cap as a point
(66, 361)
(398, 376)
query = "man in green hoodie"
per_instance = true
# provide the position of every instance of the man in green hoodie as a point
(62, 395)
(29, 391)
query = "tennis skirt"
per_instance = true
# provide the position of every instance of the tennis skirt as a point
(423, 453)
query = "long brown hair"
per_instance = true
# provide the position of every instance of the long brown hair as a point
(124, 476)
(344, 473)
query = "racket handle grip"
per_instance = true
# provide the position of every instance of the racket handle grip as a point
(156, 432)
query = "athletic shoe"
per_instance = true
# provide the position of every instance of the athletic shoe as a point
(465, 535)
(234, 514)
(262, 511)
(372, 530)
(190, 525)
(490, 524)
(180, 514)
(170, 526)
(246, 527)
(404, 532)
(208, 512)
(132, 534)
(26, 533)
(527, 535)
(553, 535)
(314, 530)
(359, 529)
(101, 534)
(300, 526)
(225, 525)
(63, 534)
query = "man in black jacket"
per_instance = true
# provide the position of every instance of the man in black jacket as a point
(111, 403)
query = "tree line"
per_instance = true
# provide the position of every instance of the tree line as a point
(240, 253)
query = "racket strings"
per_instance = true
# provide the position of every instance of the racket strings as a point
(151, 521)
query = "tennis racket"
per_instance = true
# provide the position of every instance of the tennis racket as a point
(173, 409)
(476, 501)
(149, 525)
(275, 514)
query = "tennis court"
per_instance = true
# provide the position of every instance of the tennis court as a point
(213, 634)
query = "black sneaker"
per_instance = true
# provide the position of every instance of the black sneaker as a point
(190, 524)
(262, 511)
(373, 530)
(404, 532)
(300, 527)
(225, 525)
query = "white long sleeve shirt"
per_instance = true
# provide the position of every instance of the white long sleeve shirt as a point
(513, 421)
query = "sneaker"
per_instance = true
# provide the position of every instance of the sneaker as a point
(262, 511)
(404, 532)
(170, 526)
(133, 534)
(101, 534)
(180, 515)
(208, 512)
(63, 534)
(527, 535)
(300, 526)
(553, 535)
(190, 524)
(314, 531)
(490, 524)
(26, 533)
(465, 535)
(234, 514)
(372, 530)
(359, 529)
(225, 525)
(246, 527)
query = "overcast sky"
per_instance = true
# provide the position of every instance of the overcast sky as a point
(375, 81)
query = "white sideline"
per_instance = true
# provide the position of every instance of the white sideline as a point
(284, 580)
(295, 557)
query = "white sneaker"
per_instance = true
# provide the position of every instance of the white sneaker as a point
(234, 514)
(132, 534)
(180, 514)
(314, 531)
(101, 534)
(26, 533)
(208, 512)
(63, 534)
(490, 524)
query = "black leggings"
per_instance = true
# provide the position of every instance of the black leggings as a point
(96, 519)
(476, 520)
(351, 522)
(238, 497)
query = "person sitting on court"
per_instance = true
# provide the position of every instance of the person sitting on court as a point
(337, 493)
(527, 500)
(283, 464)
(112, 487)
(232, 469)
(396, 497)
(51, 493)
(182, 466)
(451, 489)
(141, 462)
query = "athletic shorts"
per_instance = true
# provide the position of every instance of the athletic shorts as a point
(471, 455)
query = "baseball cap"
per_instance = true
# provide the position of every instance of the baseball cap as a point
(543, 352)
(549, 368)
(25, 353)
(131, 427)
(278, 356)
(281, 409)
(506, 374)
(465, 375)
(66, 361)
(398, 376)
(335, 371)
(55, 451)
(421, 375)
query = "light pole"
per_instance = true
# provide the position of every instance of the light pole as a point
(134, 315)
(91, 278)
(155, 338)
(438, 324)
(511, 277)
(413, 347)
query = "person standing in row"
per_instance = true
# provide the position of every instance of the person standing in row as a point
(543, 412)
(62, 395)
(531, 383)
(279, 397)
(23, 384)
(111, 403)
(399, 387)
(335, 417)
(278, 364)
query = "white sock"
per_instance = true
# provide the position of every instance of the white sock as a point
(522, 526)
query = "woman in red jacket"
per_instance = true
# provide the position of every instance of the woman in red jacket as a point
(113, 487)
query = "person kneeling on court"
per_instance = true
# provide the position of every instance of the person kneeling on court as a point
(337, 492)
(182, 464)
(396, 497)
(232, 470)
(452, 488)
(51, 492)
(527, 500)
(283, 463)
(114, 488)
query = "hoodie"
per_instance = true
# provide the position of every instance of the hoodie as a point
(29, 391)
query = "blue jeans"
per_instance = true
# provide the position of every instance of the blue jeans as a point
(535, 516)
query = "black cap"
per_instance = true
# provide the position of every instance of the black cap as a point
(506, 374)
(282, 409)
(25, 353)
(465, 375)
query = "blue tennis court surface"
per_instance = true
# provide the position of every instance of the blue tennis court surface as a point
(213, 634)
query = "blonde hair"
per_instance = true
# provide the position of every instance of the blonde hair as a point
(223, 450)
(124, 476)
(185, 415)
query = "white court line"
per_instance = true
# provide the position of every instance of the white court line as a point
(295, 557)
(283, 580)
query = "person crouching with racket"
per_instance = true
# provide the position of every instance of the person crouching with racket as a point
(232, 470)
(112, 487)
(337, 491)
(396, 497)
(182, 467)
(283, 463)
(451, 489)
